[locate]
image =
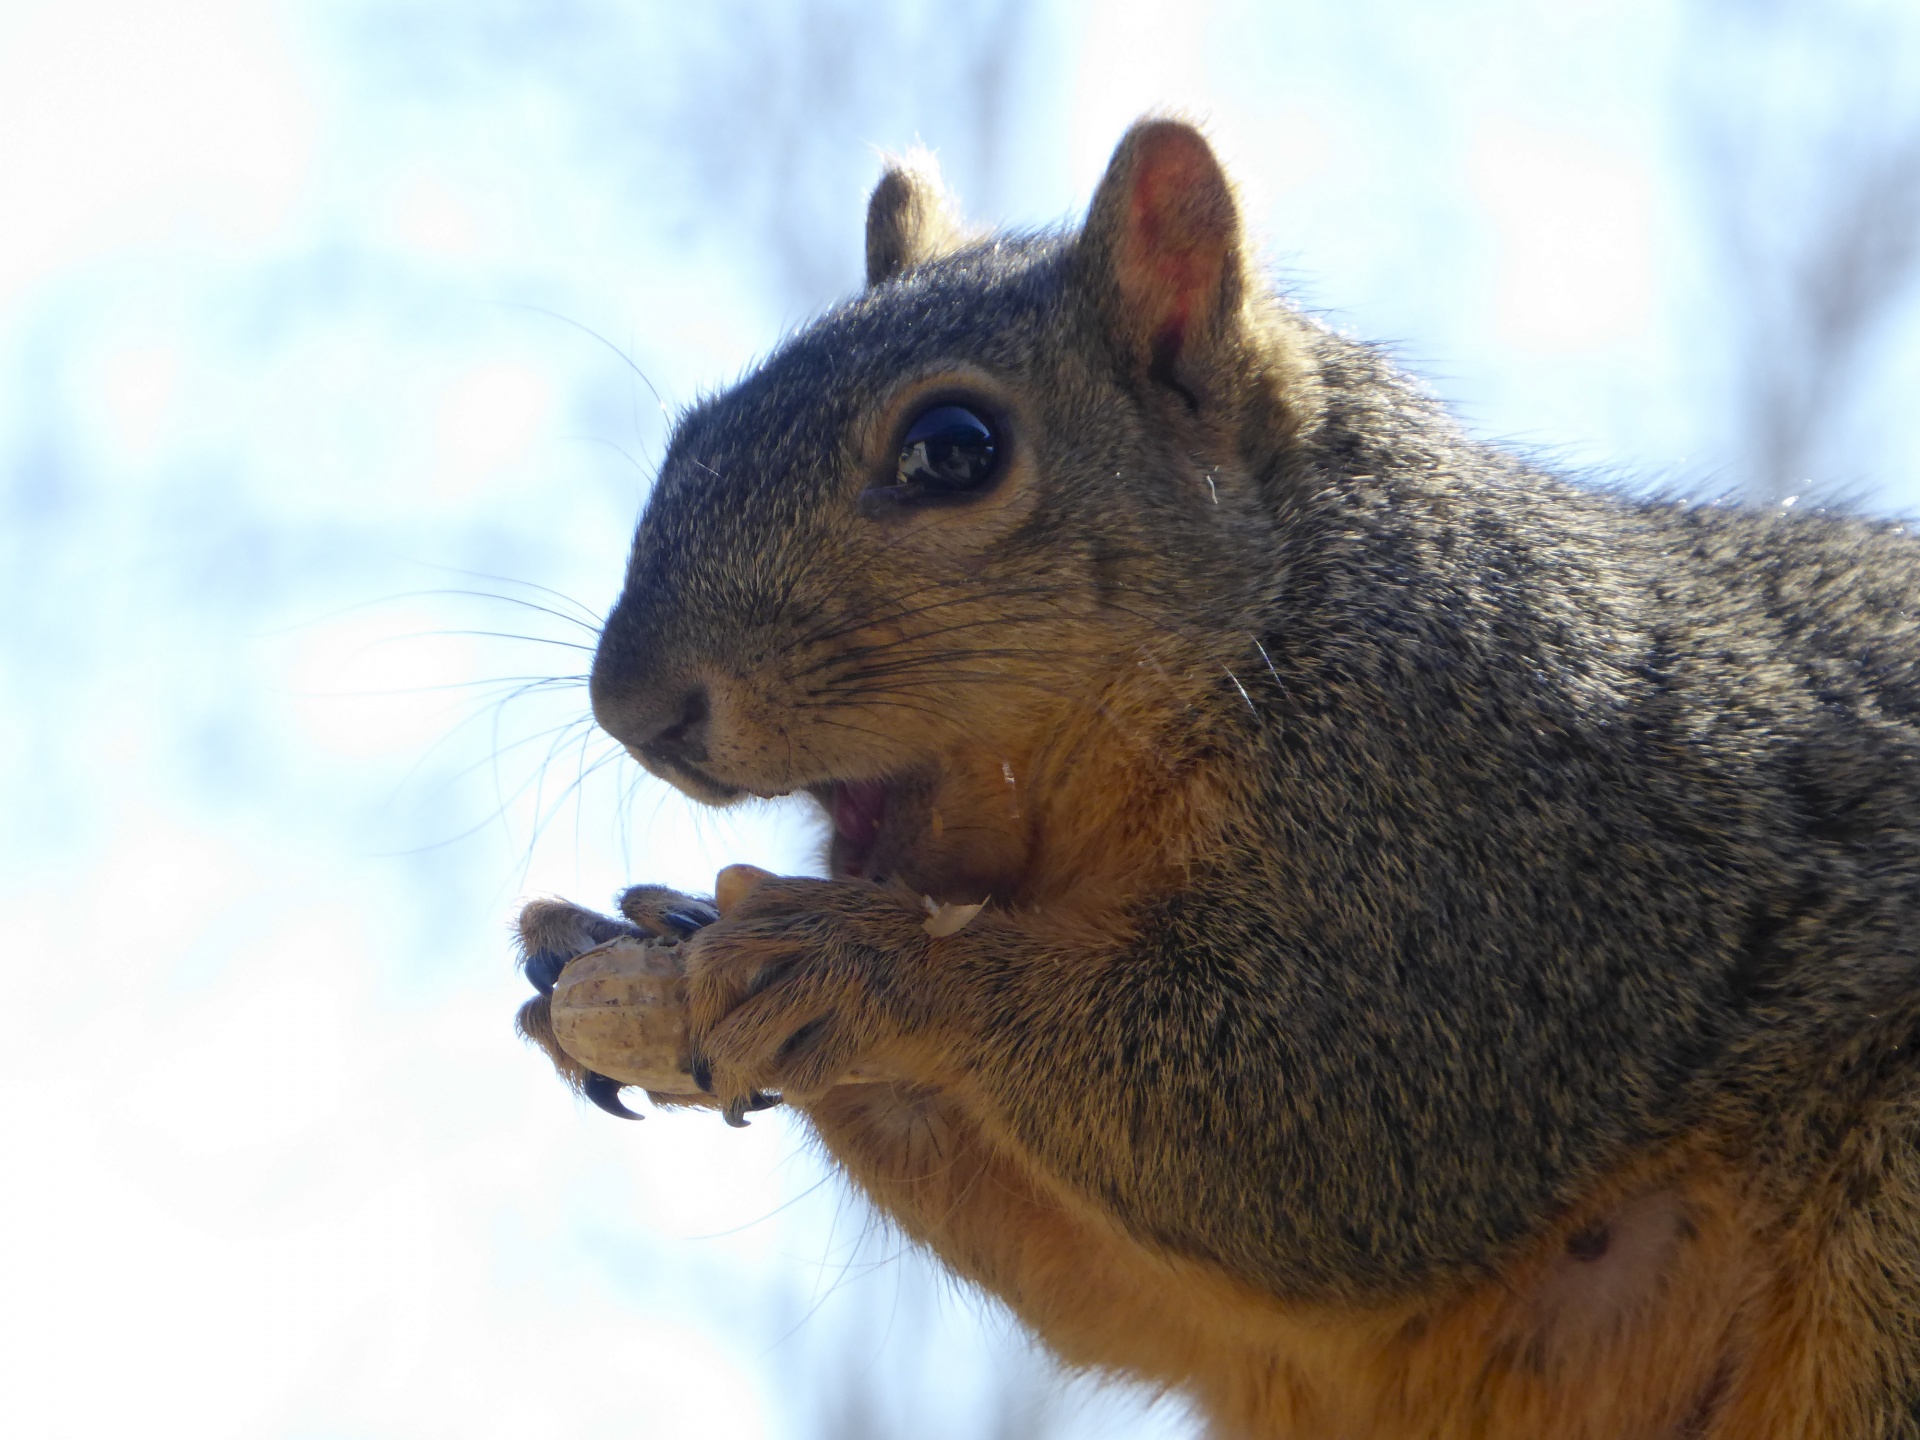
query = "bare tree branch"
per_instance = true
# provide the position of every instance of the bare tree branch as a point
(1811, 151)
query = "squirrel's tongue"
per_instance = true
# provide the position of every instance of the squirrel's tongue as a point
(857, 806)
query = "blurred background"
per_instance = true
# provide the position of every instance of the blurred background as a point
(337, 346)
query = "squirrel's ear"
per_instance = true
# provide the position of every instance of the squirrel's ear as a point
(1161, 253)
(911, 218)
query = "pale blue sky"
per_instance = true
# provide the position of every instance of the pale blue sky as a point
(298, 318)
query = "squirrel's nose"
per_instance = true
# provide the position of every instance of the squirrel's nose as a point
(673, 730)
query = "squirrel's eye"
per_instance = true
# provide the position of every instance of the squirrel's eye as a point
(948, 450)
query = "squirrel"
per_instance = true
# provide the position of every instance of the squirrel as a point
(1451, 960)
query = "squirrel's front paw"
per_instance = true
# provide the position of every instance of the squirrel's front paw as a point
(552, 932)
(801, 981)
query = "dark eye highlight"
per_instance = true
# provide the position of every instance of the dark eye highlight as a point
(948, 450)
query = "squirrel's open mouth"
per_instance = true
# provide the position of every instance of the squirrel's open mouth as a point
(857, 808)
(922, 829)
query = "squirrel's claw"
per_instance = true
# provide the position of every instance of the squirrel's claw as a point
(604, 1091)
(666, 913)
(689, 916)
(543, 969)
(736, 1113)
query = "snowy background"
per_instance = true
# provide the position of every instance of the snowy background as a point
(337, 343)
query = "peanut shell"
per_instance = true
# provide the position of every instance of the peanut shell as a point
(620, 1009)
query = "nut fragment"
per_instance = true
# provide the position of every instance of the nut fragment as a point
(945, 920)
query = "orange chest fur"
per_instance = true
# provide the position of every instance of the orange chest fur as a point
(1668, 1305)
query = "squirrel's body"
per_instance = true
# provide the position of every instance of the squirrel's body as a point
(1454, 958)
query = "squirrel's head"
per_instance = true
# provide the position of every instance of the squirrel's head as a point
(997, 522)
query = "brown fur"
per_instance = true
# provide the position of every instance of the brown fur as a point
(1449, 969)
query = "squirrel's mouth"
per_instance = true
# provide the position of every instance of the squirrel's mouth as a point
(928, 830)
(858, 809)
